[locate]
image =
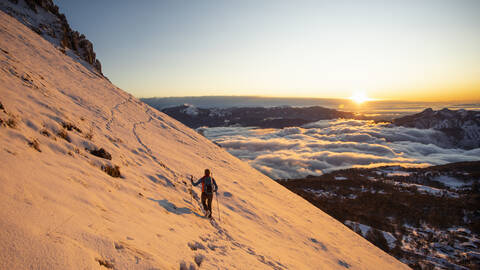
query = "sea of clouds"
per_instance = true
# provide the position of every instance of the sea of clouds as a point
(330, 145)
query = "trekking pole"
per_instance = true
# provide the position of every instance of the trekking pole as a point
(191, 190)
(218, 207)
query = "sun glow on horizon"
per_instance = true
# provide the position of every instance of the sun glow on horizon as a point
(360, 97)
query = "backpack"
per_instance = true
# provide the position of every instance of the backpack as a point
(208, 184)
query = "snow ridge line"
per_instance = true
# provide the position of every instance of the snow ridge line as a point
(228, 237)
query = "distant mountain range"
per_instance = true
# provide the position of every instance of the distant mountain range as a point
(461, 126)
(273, 117)
(223, 102)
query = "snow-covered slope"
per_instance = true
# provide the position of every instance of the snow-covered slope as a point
(59, 210)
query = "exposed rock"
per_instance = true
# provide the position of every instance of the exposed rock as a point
(48, 22)
(102, 153)
(113, 171)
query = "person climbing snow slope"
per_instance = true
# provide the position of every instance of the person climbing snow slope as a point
(209, 186)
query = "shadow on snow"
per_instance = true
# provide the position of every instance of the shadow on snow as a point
(172, 208)
(158, 179)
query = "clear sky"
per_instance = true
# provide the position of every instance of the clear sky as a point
(408, 49)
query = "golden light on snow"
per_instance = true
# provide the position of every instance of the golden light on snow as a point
(360, 97)
(166, 215)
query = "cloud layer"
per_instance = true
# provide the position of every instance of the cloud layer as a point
(330, 145)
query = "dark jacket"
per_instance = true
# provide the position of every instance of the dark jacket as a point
(207, 181)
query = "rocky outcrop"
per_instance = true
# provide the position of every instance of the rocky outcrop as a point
(43, 17)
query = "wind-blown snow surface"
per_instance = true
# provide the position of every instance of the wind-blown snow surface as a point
(59, 210)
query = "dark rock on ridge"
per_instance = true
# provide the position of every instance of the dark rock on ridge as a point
(43, 17)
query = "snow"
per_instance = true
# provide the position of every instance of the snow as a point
(450, 181)
(391, 240)
(341, 178)
(321, 193)
(459, 230)
(427, 189)
(443, 244)
(473, 254)
(59, 210)
(190, 110)
(216, 112)
(39, 19)
(398, 173)
(363, 230)
(430, 190)
(329, 194)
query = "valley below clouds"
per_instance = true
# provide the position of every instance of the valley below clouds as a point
(329, 145)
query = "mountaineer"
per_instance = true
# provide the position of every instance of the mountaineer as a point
(209, 186)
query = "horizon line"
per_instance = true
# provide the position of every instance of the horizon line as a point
(317, 98)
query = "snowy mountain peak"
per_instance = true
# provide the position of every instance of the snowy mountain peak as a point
(190, 110)
(43, 17)
(92, 178)
(461, 126)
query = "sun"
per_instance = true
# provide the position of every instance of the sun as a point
(359, 97)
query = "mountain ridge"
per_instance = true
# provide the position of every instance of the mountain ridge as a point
(462, 126)
(271, 117)
(44, 18)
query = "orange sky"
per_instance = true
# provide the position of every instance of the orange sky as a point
(409, 49)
